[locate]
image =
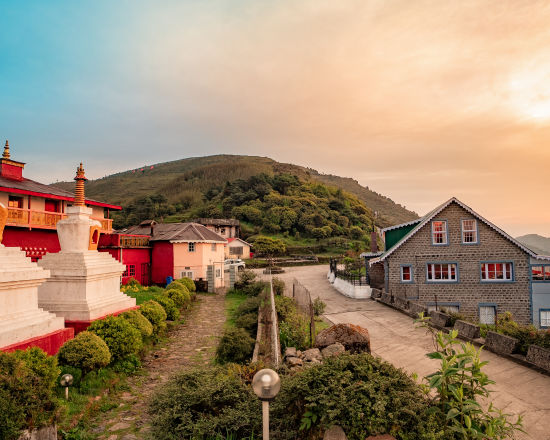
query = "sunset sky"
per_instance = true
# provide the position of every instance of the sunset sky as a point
(419, 100)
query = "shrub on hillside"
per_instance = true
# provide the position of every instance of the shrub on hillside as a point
(248, 321)
(204, 404)
(278, 286)
(86, 351)
(169, 306)
(27, 399)
(120, 336)
(155, 314)
(236, 345)
(140, 322)
(249, 305)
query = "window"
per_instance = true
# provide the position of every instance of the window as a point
(222, 231)
(236, 250)
(218, 273)
(540, 273)
(213, 247)
(130, 271)
(15, 202)
(545, 318)
(439, 232)
(187, 274)
(497, 272)
(406, 274)
(487, 314)
(469, 231)
(191, 247)
(442, 272)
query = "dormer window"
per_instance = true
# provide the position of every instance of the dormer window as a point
(439, 232)
(469, 231)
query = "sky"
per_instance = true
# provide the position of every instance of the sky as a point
(418, 100)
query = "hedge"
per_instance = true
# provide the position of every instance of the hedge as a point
(86, 351)
(121, 337)
(156, 315)
(140, 322)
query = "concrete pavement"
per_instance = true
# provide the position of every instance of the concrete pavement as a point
(518, 389)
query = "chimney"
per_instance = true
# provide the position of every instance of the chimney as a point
(373, 242)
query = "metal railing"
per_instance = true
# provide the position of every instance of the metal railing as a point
(32, 218)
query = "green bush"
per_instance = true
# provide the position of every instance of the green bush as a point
(132, 282)
(73, 371)
(120, 336)
(27, 398)
(293, 325)
(249, 305)
(86, 351)
(127, 365)
(155, 314)
(248, 321)
(169, 306)
(138, 321)
(236, 345)
(189, 283)
(205, 404)
(180, 296)
(278, 286)
(318, 307)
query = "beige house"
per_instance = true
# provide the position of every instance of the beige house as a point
(226, 227)
(237, 248)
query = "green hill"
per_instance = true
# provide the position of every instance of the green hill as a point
(182, 189)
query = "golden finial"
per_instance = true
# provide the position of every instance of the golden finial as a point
(6, 154)
(79, 198)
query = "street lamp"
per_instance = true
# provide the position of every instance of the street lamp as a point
(266, 384)
(66, 381)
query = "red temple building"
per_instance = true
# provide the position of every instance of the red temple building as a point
(35, 208)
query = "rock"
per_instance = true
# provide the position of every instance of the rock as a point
(335, 433)
(298, 353)
(353, 337)
(113, 437)
(290, 352)
(333, 350)
(312, 354)
(294, 362)
(381, 437)
(118, 426)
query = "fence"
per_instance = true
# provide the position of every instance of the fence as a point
(350, 273)
(303, 298)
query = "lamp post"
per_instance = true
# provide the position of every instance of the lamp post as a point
(66, 381)
(266, 384)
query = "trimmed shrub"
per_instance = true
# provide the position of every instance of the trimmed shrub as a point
(27, 398)
(203, 404)
(169, 306)
(155, 314)
(138, 321)
(178, 296)
(189, 283)
(86, 351)
(249, 305)
(120, 336)
(278, 286)
(236, 345)
(128, 365)
(249, 322)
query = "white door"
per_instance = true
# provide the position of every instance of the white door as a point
(487, 314)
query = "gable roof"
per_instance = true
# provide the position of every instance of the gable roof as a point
(176, 232)
(230, 240)
(428, 217)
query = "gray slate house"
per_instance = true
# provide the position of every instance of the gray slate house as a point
(456, 258)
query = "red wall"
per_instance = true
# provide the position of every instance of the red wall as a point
(44, 240)
(139, 257)
(163, 261)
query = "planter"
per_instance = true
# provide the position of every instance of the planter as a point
(402, 303)
(539, 356)
(467, 329)
(440, 319)
(500, 343)
(415, 309)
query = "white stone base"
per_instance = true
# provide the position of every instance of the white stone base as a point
(83, 286)
(348, 289)
(20, 316)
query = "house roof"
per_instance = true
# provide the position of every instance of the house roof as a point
(176, 232)
(230, 240)
(217, 221)
(32, 188)
(428, 217)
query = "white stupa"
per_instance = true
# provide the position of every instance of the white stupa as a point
(22, 322)
(84, 283)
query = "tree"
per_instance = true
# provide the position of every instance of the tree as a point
(269, 246)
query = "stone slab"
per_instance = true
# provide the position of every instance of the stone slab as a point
(500, 343)
(467, 329)
(539, 356)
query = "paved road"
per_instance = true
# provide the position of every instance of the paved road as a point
(518, 389)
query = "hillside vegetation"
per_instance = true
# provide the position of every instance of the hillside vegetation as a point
(179, 186)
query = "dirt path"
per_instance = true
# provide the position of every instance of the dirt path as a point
(190, 345)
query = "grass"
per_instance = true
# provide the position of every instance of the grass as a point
(141, 295)
(233, 300)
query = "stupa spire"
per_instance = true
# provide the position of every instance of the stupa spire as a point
(6, 154)
(79, 197)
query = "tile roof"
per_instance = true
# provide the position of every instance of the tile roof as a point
(175, 232)
(217, 221)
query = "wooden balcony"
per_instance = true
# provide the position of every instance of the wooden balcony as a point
(30, 218)
(134, 241)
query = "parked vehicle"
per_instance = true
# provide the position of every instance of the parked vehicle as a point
(236, 262)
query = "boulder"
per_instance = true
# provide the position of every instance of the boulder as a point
(354, 338)
(290, 352)
(294, 362)
(333, 350)
(335, 433)
(312, 355)
(381, 437)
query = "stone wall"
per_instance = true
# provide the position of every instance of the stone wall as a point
(351, 290)
(376, 275)
(467, 329)
(469, 292)
(539, 356)
(500, 343)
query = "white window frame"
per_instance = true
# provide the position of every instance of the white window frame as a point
(187, 274)
(472, 230)
(445, 268)
(191, 247)
(443, 233)
(403, 280)
(486, 272)
(544, 320)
